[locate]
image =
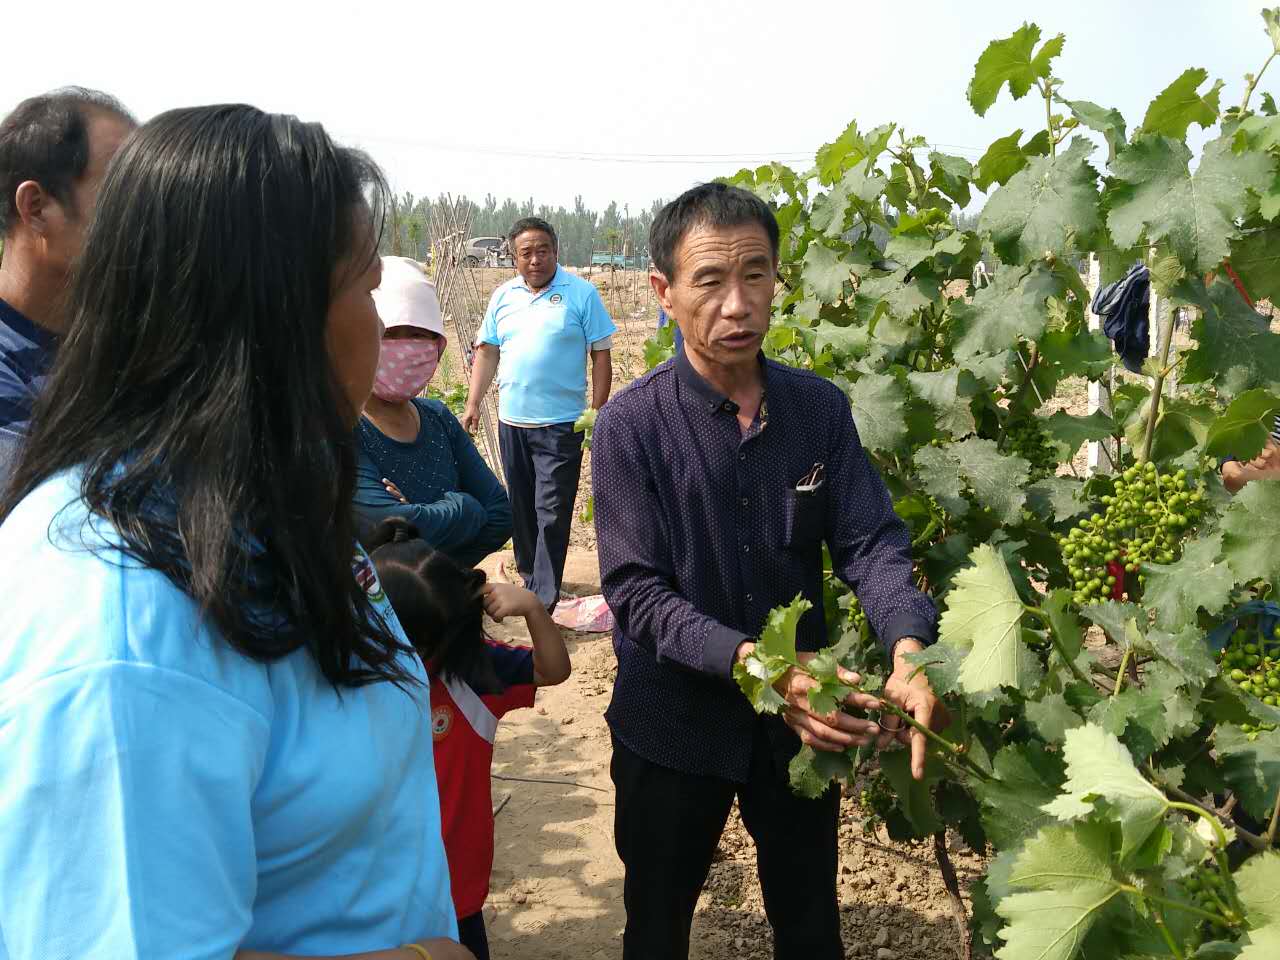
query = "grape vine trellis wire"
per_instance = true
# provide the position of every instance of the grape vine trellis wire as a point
(1128, 792)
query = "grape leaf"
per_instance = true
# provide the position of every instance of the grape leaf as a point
(951, 175)
(756, 676)
(1244, 426)
(811, 771)
(941, 663)
(856, 189)
(1071, 431)
(1179, 105)
(1010, 61)
(1076, 353)
(1051, 206)
(1250, 767)
(1258, 885)
(984, 616)
(1056, 499)
(1235, 350)
(778, 636)
(1185, 651)
(1137, 717)
(1114, 617)
(877, 400)
(1195, 214)
(1026, 777)
(940, 476)
(915, 797)
(949, 393)
(834, 158)
(1068, 873)
(1108, 122)
(998, 481)
(1199, 579)
(1010, 308)
(1099, 768)
(1001, 161)
(825, 272)
(1255, 258)
(1064, 623)
(1251, 532)
(1052, 717)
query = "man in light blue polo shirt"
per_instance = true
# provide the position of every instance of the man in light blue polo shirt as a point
(537, 335)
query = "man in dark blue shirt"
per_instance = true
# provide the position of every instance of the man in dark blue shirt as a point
(718, 476)
(54, 151)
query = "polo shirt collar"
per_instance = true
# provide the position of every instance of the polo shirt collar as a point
(25, 326)
(707, 396)
(557, 279)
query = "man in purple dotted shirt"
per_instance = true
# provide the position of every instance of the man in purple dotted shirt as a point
(718, 476)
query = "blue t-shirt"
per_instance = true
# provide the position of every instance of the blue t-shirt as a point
(164, 796)
(543, 339)
(455, 501)
(26, 353)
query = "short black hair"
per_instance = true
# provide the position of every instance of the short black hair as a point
(438, 602)
(46, 139)
(714, 204)
(525, 224)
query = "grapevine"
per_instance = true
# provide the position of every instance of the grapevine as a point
(1145, 520)
(1146, 753)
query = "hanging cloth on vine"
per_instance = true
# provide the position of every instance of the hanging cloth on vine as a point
(1124, 307)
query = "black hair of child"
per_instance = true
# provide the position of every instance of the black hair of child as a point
(438, 602)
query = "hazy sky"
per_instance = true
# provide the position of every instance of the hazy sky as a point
(615, 101)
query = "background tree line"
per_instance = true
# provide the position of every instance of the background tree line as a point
(580, 229)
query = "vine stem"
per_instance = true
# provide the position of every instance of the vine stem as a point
(1120, 673)
(1157, 385)
(1047, 92)
(1168, 937)
(1056, 641)
(1184, 907)
(1253, 84)
(1219, 851)
(1252, 839)
(1270, 837)
(952, 886)
(954, 749)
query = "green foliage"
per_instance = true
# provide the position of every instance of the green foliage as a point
(1072, 756)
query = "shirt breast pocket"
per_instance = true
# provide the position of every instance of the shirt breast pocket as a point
(806, 519)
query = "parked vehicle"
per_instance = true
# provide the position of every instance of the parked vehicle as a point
(488, 252)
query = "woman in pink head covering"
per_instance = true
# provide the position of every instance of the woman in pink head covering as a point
(415, 460)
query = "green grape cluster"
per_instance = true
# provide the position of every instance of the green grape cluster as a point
(1249, 663)
(876, 800)
(1144, 521)
(1026, 439)
(856, 616)
(1209, 889)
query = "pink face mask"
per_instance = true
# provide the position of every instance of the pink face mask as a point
(405, 367)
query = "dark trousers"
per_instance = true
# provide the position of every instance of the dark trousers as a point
(543, 465)
(667, 825)
(472, 936)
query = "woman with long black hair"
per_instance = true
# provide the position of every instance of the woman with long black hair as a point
(212, 729)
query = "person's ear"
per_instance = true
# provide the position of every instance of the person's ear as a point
(661, 289)
(32, 203)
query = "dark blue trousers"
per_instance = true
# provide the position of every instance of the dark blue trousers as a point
(542, 466)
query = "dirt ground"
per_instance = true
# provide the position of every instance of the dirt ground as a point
(557, 882)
